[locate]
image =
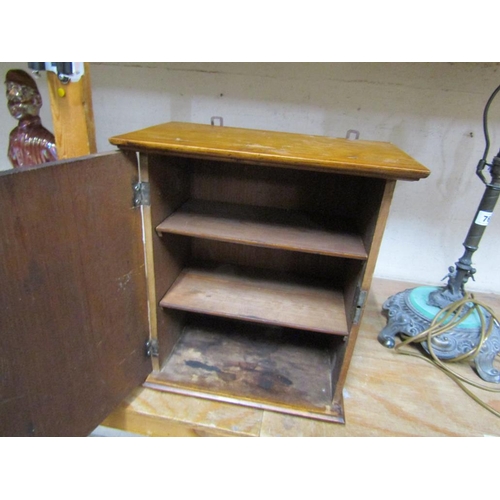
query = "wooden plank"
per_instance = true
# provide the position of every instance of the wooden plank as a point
(143, 412)
(259, 226)
(74, 315)
(149, 260)
(366, 158)
(258, 296)
(72, 115)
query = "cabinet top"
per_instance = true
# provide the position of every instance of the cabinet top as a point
(281, 149)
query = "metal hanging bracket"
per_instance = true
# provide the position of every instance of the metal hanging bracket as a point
(351, 133)
(217, 118)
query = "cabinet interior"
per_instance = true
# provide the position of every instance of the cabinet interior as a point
(254, 278)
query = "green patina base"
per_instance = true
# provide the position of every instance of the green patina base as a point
(418, 300)
(410, 314)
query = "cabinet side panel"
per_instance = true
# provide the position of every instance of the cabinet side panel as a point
(74, 320)
(370, 216)
(169, 178)
(374, 230)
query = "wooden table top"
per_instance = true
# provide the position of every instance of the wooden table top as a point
(386, 394)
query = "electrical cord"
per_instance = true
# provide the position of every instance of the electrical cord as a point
(485, 122)
(446, 320)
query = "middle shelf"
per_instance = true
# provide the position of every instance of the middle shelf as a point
(266, 227)
(257, 295)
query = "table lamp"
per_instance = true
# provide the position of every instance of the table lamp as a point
(446, 321)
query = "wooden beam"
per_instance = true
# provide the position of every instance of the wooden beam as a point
(72, 115)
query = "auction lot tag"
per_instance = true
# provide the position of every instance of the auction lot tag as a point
(483, 218)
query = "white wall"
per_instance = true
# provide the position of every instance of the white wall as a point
(433, 111)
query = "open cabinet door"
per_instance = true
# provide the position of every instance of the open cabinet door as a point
(73, 320)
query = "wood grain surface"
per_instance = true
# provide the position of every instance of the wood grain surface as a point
(74, 315)
(260, 226)
(257, 296)
(369, 158)
(72, 115)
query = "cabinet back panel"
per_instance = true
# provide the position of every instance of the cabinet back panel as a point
(302, 264)
(312, 192)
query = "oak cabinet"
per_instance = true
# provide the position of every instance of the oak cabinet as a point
(216, 262)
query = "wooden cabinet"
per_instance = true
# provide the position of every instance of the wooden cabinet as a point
(225, 263)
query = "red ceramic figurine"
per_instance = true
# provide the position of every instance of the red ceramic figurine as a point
(29, 143)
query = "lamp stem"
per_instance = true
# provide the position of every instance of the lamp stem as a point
(457, 278)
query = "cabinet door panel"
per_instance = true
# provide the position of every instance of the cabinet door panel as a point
(73, 319)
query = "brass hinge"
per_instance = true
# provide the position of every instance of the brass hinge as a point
(141, 194)
(359, 306)
(152, 348)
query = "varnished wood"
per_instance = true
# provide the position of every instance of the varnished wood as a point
(66, 276)
(375, 232)
(149, 260)
(74, 320)
(291, 246)
(177, 415)
(375, 229)
(257, 296)
(72, 115)
(273, 228)
(385, 394)
(373, 159)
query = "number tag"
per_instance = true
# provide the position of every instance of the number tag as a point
(483, 218)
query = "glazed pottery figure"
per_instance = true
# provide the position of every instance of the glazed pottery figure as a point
(30, 143)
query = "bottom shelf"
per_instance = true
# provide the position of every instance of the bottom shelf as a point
(265, 367)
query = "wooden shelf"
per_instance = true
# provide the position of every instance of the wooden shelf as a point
(259, 296)
(265, 227)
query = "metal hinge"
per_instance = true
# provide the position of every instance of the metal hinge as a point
(152, 349)
(141, 194)
(359, 306)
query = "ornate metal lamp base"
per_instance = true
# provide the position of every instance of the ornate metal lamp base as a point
(409, 313)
